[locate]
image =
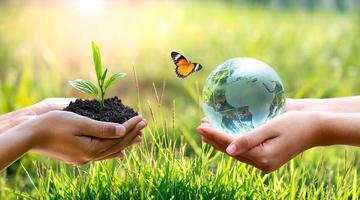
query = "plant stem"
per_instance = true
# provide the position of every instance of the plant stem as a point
(102, 98)
(102, 93)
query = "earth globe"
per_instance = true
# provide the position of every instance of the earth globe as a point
(241, 94)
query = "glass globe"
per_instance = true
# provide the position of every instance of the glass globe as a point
(241, 94)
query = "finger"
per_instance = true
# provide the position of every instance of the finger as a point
(217, 146)
(128, 138)
(131, 123)
(104, 130)
(249, 140)
(16, 121)
(99, 146)
(108, 130)
(51, 104)
(124, 142)
(255, 154)
(205, 124)
(222, 148)
(111, 156)
(137, 140)
(292, 105)
(204, 120)
(57, 103)
(259, 159)
(215, 135)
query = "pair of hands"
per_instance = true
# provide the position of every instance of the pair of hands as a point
(70, 137)
(274, 143)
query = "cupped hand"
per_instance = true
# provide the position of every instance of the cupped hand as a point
(15, 118)
(271, 145)
(50, 104)
(78, 140)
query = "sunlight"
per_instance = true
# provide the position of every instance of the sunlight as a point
(88, 5)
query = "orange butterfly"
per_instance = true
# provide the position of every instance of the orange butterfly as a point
(184, 67)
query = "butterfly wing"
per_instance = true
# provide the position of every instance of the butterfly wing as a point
(197, 67)
(183, 67)
(183, 71)
(178, 58)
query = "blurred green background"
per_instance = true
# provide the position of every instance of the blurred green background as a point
(313, 45)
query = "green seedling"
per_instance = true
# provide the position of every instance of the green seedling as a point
(103, 83)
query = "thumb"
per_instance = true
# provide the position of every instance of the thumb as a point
(247, 141)
(105, 130)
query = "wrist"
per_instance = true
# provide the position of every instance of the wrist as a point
(315, 129)
(326, 131)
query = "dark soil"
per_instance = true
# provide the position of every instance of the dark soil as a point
(113, 111)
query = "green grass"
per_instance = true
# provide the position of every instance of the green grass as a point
(315, 53)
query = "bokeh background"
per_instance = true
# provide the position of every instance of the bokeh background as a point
(313, 45)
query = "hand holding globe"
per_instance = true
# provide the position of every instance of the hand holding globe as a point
(241, 99)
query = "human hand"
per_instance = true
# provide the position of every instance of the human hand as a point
(78, 140)
(271, 145)
(15, 118)
(336, 105)
(50, 104)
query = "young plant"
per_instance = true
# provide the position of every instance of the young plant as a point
(103, 83)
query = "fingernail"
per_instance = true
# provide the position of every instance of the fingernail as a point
(231, 149)
(120, 130)
(142, 125)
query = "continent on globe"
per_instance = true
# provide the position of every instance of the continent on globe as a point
(237, 117)
(277, 101)
(241, 94)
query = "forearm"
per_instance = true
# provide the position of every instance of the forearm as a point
(339, 128)
(13, 144)
(341, 104)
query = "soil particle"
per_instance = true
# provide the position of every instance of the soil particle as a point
(113, 111)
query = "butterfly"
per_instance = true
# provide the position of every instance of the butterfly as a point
(184, 67)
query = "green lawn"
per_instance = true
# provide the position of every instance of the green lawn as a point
(41, 47)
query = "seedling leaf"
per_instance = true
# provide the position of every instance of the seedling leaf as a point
(113, 79)
(103, 77)
(85, 87)
(97, 60)
(103, 83)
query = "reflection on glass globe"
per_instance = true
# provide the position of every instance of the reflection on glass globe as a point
(241, 94)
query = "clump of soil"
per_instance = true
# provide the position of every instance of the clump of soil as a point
(113, 111)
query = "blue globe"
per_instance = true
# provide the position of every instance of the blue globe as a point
(241, 94)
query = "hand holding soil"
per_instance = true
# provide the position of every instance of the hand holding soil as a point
(78, 140)
(92, 130)
(69, 137)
